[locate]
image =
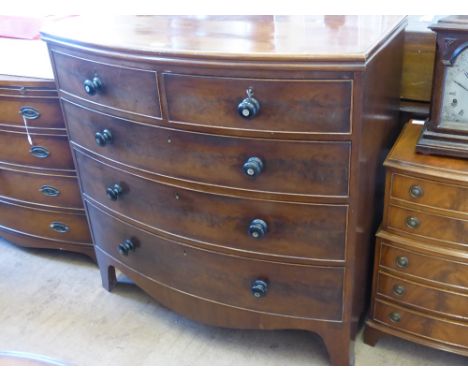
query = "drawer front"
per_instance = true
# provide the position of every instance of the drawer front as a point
(38, 112)
(51, 190)
(428, 226)
(48, 151)
(424, 266)
(125, 89)
(294, 167)
(423, 296)
(293, 230)
(305, 106)
(45, 224)
(445, 331)
(293, 290)
(428, 193)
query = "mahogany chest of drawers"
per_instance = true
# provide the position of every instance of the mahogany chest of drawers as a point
(229, 165)
(420, 290)
(40, 201)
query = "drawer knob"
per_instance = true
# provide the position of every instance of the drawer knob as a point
(412, 222)
(49, 190)
(402, 262)
(92, 86)
(258, 228)
(249, 107)
(259, 288)
(399, 290)
(395, 317)
(103, 137)
(125, 247)
(113, 192)
(59, 227)
(253, 167)
(416, 191)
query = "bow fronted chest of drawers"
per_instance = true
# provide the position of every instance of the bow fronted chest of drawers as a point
(229, 165)
(420, 290)
(40, 201)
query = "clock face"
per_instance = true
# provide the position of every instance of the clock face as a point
(455, 94)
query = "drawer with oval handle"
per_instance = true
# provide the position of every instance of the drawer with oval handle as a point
(276, 288)
(422, 296)
(311, 231)
(48, 150)
(429, 193)
(41, 112)
(298, 106)
(262, 165)
(46, 189)
(429, 227)
(118, 88)
(45, 224)
(423, 325)
(423, 265)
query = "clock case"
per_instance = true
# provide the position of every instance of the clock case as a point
(440, 137)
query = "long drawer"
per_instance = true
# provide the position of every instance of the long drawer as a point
(425, 266)
(429, 193)
(131, 90)
(282, 289)
(41, 223)
(310, 106)
(312, 231)
(431, 227)
(46, 151)
(406, 320)
(423, 296)
(276, 166)
(46, 189)
(38, 111)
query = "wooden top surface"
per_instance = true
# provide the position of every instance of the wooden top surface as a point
(24, 59)
(312, 38)
(404, 156)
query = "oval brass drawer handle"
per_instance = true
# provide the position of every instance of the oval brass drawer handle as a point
(416, 191)
(259, 288)
(49, 190)
(402, 262)
(29, 112)
(412, 222)
(59, 227)
(395, 317)
(39, 152)
(399, 290)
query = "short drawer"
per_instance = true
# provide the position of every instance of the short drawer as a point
(277, 166)
(434, 228)
(312, 231)
(130, 90)
(281, 289)
(38, 112)
(423, 296)
(47, 151)
(429, 193)
(426, 266)
(409, 321)
(302, 106)
(50, 190)
(44, 224)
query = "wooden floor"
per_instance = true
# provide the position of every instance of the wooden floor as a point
(52, 305)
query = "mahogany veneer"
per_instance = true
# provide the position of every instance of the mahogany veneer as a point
(257, 223)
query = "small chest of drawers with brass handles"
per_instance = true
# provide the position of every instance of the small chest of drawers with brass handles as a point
(202, 167)
(421, 268)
